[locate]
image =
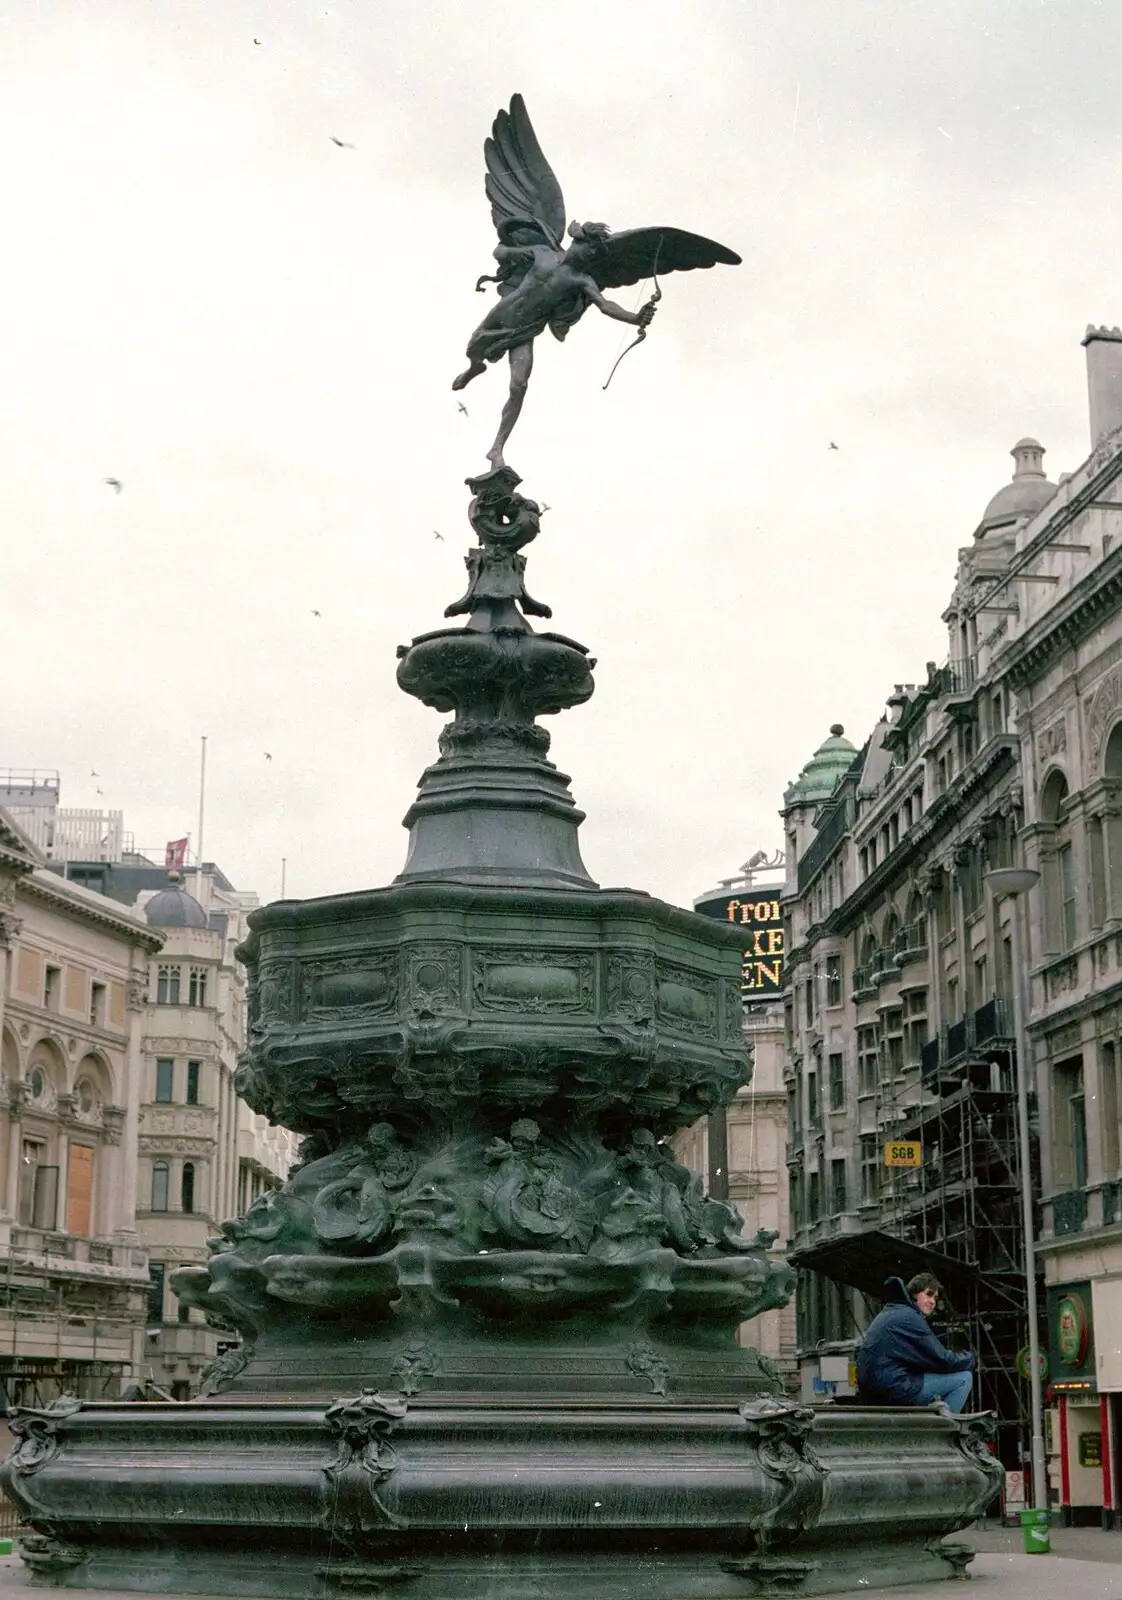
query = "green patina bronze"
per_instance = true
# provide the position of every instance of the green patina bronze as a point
(490, 1327)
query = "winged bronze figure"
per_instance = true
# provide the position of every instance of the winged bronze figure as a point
(543, 283)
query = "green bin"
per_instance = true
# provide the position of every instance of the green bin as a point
(1034, 1526)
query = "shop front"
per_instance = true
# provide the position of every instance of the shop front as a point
(1081, 1425)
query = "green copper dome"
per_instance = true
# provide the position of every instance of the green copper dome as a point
(819, 777)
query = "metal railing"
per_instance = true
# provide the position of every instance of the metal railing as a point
(1069, 1212)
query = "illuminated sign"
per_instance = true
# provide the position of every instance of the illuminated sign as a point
(903, 1153)
(1071, 1331)
(765, 946)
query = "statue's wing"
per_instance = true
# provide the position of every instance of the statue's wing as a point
(520, 181)
(639, 253)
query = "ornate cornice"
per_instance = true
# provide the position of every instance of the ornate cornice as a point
(46, 887)
(1076, 614)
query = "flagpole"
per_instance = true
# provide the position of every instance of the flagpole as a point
(202, 805)
(284, 874)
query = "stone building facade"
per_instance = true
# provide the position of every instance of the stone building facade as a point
(900, 1020)
(203, 1155)
(73, 1272)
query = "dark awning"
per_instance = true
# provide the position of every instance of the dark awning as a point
(864, 1261)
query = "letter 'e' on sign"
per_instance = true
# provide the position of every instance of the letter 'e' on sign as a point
(903, 1153)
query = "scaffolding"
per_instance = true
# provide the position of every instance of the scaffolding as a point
(963, 1200)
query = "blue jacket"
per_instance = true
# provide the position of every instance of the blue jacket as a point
(899, 1348)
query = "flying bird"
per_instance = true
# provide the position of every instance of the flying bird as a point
(342, 143)
(268, 757)
(461, 407)
(101, 791)
(544, 509)
(831, 445)
(315, 613)
(115, 484)
(94, 774)
(439, 536)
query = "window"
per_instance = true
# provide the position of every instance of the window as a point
(165, 1072)
(894, 1041)
(159, 1186)
(37, 1083)
(52, 977)
(808, 1001)
(870, 1169)
(837, 1082)
(184, 1312)
(813, 1197)
(1097, 853)
(156, 1273)
(196, 987)
(812, 1100)
(167, 986)
(839, 1189)
(793, 1123)
(193, 1068)
(1067, 896)
(79, 1189)
(834, 980)
(1108, 1084)
(38, 1191)
(187, 1187)
(915, 1028)
(794, 1207)
(1070, 1124)
(97, 1005)
(866, 1060)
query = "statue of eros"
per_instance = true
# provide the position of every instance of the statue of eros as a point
(544, 284)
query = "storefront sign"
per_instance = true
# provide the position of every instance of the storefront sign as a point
(1071, 1331)
(1090, 1449)
(903, 1154)
(1024, 1364)
(765, 946)
(1071, 1337)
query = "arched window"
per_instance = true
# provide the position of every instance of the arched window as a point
(1112, 759)
(891, 929)
(915, 908)
(1061, 910)
(159, 1186)
(1104, 842)
(187, 1187)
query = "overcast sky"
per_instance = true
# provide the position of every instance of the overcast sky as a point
(256, 331)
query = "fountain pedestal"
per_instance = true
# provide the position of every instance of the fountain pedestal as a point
(490, 1326)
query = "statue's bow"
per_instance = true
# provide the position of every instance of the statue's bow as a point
(651, 303)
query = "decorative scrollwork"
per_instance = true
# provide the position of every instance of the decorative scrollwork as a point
(646, 1362)
(225, 1368)
(413, 1365)
(48, 1557)
(780, 1433)
(37, 1432)
(361, 1429)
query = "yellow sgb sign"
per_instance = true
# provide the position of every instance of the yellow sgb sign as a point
(903, 1154)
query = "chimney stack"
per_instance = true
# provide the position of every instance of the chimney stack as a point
(1104, 380)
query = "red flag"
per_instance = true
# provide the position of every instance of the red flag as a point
(175, 853)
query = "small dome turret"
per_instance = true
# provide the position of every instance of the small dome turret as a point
(173, 907)
(818, 779)
(1029, 490)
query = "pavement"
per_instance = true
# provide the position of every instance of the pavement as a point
(1085, 1564)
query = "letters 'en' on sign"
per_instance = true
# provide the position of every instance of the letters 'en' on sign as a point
(759, 914)
(903, 1153)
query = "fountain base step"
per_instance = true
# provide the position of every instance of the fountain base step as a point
(424, 1499)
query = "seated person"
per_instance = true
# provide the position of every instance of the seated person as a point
(900, 1361)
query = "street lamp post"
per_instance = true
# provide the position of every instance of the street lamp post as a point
(1013, 883)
